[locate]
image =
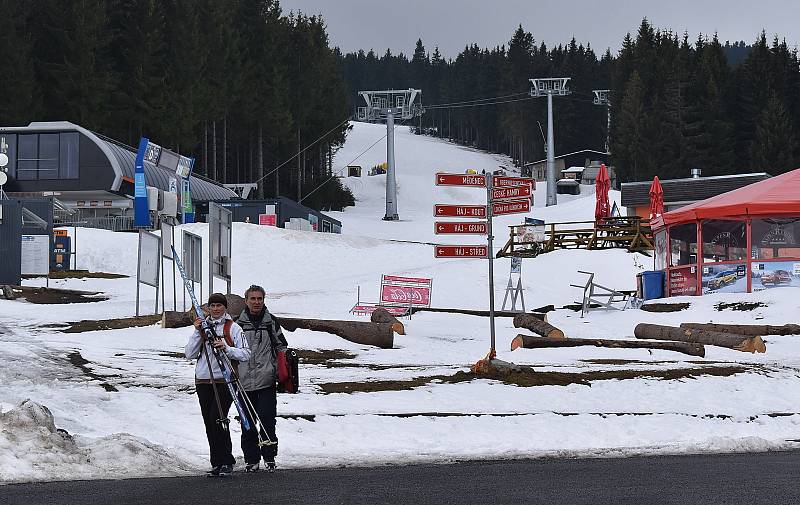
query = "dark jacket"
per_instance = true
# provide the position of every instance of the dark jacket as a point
(261, 369)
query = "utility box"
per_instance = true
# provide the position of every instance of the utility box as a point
(62, 252)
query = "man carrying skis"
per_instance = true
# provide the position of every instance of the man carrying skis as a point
(212, 391)
(258, 375)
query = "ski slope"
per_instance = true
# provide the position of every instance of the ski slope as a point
(123, 398)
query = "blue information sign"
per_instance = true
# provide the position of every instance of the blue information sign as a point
(141, 210)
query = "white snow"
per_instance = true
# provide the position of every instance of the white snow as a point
(151, 424)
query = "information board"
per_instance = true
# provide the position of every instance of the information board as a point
(35, 254)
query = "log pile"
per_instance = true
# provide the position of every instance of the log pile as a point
(532, 342)
(734, 341)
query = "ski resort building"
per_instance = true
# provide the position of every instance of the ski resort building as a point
(89, 174)
(740, 241)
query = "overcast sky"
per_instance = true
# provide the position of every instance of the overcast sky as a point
(452, 24)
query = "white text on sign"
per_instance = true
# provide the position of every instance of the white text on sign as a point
(505, 192)
(443, 228)
(476, 181)
(511, 207)
(441, 210)
(461, 251)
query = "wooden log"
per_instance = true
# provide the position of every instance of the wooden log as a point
(171, 319)
(8, 292)
(533, 342)
(538, 326)
(742, 343)
(381, 315)
(361, 332)
(746, 329)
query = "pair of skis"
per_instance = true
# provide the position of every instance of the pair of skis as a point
(242, 402)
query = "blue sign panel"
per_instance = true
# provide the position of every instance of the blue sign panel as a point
(141, 210)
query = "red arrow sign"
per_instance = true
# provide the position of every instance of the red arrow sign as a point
(511, 207)
(459, 210)
(500, 181)
(460, 251)
(506, 192)
(478, 228)
(472, 180)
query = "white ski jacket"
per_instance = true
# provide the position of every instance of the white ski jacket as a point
(239, 352)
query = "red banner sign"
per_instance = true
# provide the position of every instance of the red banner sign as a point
(511, 207)
(459, 211)
(444, 228)
(501, 181)
(406, 295)
(367, 309)
(410, 280)
(682, 281)
(267, 219)
(461, 251)
(506, 192)
(472, 180)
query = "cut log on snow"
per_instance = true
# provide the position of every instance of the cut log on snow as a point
(532, 342)
(742, 343)
(381, 315)
(537, 326)
(471, 312)
(360, 332)
(8, 292)
(746, 329)
(171, 319)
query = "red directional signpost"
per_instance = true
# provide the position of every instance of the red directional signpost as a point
(503, 208)
(505, 192)
(501, 181)
(464, 228)
(472, 180)
(461, 251)
(459, 210)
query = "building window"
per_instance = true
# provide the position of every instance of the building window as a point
(46, 156)
(724, 241)
(683, 244)
(776, 238)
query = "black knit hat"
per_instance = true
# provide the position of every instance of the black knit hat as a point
(218, 298)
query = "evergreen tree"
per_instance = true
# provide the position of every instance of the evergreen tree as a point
(773, 148)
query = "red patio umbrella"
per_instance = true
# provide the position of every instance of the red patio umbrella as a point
(602, 185)
(656, 198)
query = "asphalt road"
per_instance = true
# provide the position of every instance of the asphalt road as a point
(730, 479)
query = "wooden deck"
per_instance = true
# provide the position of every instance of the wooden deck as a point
(629, 233)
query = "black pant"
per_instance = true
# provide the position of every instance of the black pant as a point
(266, 405)
(219, 439)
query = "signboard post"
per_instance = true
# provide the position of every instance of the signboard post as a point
(147, 265)
(504, 195)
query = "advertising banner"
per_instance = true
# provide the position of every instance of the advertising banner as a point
(406, 295)
(141, 210)
(683, 281)
(725, 278)
(773, 274)
(267, 219)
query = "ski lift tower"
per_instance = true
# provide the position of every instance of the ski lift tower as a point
(601, 98)
(387, 105)
(549, 87)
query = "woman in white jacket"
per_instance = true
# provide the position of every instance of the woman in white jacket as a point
(214, 405)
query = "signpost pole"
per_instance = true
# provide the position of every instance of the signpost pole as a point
(489, 237)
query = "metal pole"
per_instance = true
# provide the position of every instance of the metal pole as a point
(391, 183)
(174, 289)
(489, 238)
(552, 199)
(138, 270)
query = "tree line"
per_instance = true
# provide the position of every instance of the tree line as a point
(237, 84)
(675, 103)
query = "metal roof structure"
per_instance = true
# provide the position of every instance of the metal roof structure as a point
(122, 159)
(687, 190)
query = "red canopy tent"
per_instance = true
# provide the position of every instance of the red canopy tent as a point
(778, 195)
(656, 199)
(602, 185)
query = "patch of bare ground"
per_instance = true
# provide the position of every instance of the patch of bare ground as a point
(527, 377)
(78, 274)
(622, 361)
(664, 307)
(743, 306)
(57, 296)
(322, 357)
(80, 362)
(112, 324)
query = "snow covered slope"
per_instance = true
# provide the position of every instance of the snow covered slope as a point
(124, 396)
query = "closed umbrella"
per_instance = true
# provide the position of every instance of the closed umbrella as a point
(602, 184)
(656, 199)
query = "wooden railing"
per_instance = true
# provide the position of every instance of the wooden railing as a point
(631, 233)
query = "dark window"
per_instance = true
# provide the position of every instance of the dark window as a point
(68, 155)
(683, 244)
(776, 238)
(48, 156)
(27, 157)
(8, 146)
(724, 241)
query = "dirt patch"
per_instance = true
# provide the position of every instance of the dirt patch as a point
(112, 324)
(323, 357)
(529, 378)
(178, 355)
(623, 361)
(78, 361)
(78, 274)
(664, 307)
(57, 296)
(743, 306)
